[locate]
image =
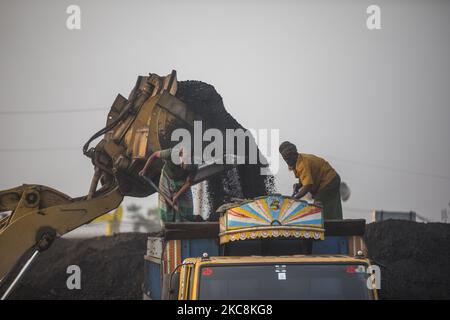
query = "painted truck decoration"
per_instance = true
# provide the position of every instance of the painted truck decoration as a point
(271, 216)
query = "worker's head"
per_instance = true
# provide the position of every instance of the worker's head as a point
(289, 153)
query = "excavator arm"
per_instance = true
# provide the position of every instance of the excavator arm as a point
(40, 214)
(135, 128)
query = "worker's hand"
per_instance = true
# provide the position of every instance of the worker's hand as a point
(174, 200)
(295, 188)
(318, 203)
(142, 173)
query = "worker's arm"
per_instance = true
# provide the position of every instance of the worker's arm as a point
(303, 191)
(306, 179)
(149, 162)
(38, 219)
(295, 188)
(183, 189)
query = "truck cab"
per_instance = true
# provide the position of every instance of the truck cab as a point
(272, 247)
(296, 277)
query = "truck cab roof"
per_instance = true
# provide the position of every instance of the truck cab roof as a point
(323, 259)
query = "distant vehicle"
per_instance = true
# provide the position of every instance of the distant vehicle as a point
(380, 215)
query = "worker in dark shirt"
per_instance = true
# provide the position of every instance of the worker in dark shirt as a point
(317, 177)
(175, 182)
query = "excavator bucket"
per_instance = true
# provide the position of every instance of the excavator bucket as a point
(135, 128)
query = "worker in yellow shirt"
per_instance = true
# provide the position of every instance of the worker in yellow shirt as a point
(317, 177)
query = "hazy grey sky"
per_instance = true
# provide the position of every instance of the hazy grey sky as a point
(374, 103)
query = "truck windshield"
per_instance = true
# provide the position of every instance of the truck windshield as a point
(289, 281)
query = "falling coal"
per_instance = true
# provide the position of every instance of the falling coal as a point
(244, 181)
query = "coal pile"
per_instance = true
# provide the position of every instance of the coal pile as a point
(111, 268)
(415, 256)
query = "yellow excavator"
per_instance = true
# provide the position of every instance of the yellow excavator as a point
(136, 127)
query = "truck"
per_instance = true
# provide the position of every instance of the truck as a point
(270, 247)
